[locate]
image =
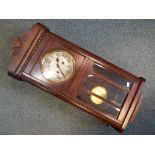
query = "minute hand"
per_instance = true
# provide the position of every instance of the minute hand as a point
(60, 69)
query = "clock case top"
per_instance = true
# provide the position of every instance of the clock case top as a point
(31, 46)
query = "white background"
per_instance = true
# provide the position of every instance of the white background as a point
(81, 9)
(55, 9)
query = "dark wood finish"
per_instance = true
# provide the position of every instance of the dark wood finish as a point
(27, 52)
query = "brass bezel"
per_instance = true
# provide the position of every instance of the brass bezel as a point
(58, 50)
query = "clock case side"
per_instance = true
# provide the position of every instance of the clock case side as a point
(22, 48)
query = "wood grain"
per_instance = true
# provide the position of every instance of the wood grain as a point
(27, 52)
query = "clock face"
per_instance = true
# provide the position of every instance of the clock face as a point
(58, 66)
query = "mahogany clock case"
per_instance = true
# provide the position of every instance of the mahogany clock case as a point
(118, 110)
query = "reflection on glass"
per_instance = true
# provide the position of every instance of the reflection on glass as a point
(115, 77)
(105, 89)
(104, 107)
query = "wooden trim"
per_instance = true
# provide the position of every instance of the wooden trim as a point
(32, 48)
(82, 72)
(134, 104)
(128, 101)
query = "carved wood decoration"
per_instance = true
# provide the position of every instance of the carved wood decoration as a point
(76, 75)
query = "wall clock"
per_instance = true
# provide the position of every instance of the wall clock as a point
(76, 76)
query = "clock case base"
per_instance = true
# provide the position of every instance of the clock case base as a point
(26, 54)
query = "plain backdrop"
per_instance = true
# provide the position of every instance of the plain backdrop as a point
(129, 44)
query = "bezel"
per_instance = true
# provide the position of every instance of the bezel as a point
(54, 51)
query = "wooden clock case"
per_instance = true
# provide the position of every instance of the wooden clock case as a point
(26, 55)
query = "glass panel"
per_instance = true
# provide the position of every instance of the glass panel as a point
(104, 107)
(112, 76)
(105, 90)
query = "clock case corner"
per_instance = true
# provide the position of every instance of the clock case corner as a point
(22, 48)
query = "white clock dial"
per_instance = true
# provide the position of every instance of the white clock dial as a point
(58, 66)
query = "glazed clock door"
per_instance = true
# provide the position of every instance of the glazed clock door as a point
(56, 66)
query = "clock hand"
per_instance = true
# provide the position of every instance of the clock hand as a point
(62, 73)
(57, 59)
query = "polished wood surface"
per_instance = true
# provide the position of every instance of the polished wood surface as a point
(31, 46)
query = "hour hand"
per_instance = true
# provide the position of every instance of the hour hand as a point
(58, 66)
(57, 59)
(61, 71)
